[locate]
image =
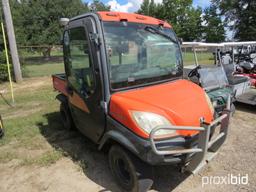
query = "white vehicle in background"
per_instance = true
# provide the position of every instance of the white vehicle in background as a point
(240, 84)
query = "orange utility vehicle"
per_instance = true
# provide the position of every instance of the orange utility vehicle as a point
(123, 89)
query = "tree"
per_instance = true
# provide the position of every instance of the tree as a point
(37, 22)
(185, 19)
(149, 7)
(240, 17)
(97, 5)
(144, 8)
(214, 30)
(189, 26)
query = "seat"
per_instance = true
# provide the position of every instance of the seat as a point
(233, 80)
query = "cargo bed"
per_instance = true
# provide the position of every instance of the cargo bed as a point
(60, 83)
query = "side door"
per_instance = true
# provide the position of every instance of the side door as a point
(84, 81)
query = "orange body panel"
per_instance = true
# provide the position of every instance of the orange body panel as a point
(77, 101)
(59, 84)
(181, 102)
(131, 17)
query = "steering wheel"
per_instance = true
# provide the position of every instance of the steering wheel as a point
(194, 72)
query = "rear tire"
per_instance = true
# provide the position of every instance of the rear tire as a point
(66, 117)
(123, 167)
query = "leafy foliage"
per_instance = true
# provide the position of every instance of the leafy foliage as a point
(37, 22)
(149, 8)
(240, 16)
(97, 5)
(214, 30)
(185, 19)
(3, 65)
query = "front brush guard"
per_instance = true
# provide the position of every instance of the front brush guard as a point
(206, 149)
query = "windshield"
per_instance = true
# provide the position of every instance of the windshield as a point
(140, 54)
(211, 78)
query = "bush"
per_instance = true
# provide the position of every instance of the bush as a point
(4, 72)
(2, 56)
(3, 67)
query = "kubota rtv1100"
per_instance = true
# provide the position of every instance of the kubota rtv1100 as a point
(123, 88)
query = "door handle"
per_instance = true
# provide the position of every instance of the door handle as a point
(70, 90)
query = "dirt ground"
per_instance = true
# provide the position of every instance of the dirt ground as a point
(83, 168)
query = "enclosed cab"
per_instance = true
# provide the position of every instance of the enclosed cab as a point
(123, 89)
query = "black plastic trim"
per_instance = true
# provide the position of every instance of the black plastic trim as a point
(141, 147)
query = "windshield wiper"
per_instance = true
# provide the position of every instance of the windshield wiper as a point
(157, 31)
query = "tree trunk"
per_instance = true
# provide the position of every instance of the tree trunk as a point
(47, 52)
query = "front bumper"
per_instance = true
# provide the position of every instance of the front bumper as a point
(203, 149)
(191, 153)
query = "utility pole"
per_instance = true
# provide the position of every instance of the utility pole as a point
(12, 40)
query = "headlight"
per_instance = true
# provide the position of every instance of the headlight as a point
(148, 121)
(209, 102)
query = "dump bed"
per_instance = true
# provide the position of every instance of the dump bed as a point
(60, 83)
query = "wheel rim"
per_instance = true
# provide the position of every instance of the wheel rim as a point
(122, 170)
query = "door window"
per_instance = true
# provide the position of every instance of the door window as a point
(81, 70)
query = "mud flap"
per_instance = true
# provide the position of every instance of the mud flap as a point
(145, 185)
(145, 175)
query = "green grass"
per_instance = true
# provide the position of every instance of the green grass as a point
(31, 103)
(46, 159)
(43, 69)
(203, 58)
(27, 124)
(35, 65)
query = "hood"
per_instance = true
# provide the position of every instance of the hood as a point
(182, 102)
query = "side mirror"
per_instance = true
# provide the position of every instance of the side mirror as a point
(64, 21)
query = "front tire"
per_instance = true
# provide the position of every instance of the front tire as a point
(123, 167)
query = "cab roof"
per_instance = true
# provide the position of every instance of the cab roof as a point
(131, 17)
